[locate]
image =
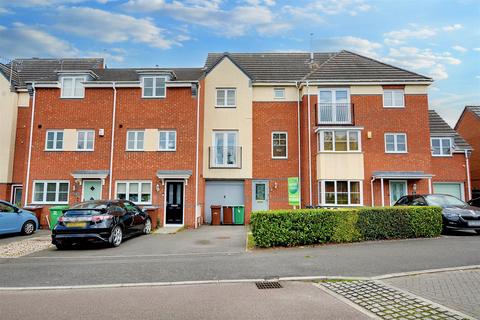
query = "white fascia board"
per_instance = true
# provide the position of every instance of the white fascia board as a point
(52, 84)
(338, 128)
(366, 82)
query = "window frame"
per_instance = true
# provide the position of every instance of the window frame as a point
(395, 144)
(225, 105)
(286, 145)
(321, 146)
(74, 78)
(321, 195)
(86, 131)
(167, 140)
(392, 91)
(55, 131)
(57, 191)
(279, 89)
(136, 131)
(225, 153)
(139, 194)
(154, 87)
(441, 146)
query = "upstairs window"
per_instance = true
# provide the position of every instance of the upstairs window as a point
(154, 87)
(72, 87)
(85, 140)
(393, 98)
(168, 141)
(279, 93)
(340, 140)
(279, 145)
(441, 147)
(54, 140)
(135, 140)
(395, 143)
(226, 98)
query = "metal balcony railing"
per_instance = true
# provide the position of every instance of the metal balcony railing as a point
(225, 157)
(335, 113)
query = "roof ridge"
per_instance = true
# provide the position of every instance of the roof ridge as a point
(321, 65)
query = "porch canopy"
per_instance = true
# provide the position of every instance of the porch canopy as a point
(174, 174)
(90, 174)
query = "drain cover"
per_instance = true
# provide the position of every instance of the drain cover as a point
(268, 285)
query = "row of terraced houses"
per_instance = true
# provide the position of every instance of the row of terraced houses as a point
(355, 131)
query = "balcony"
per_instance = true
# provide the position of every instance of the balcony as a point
(334, 113)
(225, 157)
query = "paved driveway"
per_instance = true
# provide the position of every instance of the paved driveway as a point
(204, 240)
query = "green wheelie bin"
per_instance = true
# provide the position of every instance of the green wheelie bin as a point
(239, 215)
(55, 213)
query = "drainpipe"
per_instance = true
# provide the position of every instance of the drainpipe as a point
(27, 183)
(371, 190)
(299, 148)
(309, 146)
(113, 140)
(196, 154)
(469, 186)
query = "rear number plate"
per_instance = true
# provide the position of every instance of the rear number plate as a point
(474, 223)
(76, 224)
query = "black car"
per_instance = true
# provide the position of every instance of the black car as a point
(456, 213)
(474, 202)
(100, 221)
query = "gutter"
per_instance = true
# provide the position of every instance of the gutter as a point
(469, 186)
(32, 118)
(110, 180)
(371, 190)
(196, 154)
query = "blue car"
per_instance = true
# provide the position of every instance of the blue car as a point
(16, 220)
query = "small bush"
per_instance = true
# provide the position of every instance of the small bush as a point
(311, 226)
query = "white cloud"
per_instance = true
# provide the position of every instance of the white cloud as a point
(22, 40)
(112, 54)
(315, 11)
(358, 45)
(453, 27)
(111, 27)
(459, 49)
(4, 11)
(398, 37)
(476, 49)
(43, 3)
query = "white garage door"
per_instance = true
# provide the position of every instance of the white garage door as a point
(453, 189)
(224, 193)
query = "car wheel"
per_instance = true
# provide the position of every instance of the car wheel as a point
(28, 228)
(116, 237)
(148, 227)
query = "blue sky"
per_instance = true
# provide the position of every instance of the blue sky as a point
(438, 38)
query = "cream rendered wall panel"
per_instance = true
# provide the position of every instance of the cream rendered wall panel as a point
(69, 140)
(227, 74)
(340, 166)
(365, 90)
(265, 93)
(8, 126)
(416, 89)
(23, 99)
(151, 140)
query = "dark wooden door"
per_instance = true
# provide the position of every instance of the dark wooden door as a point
(174, 211)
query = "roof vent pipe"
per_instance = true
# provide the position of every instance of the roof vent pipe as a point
(311, 57)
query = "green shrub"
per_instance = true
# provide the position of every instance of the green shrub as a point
(311, 226)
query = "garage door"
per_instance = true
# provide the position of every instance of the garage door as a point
(224, 193)
(453, 189)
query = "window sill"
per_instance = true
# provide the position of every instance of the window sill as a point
(48, 150)
(279, 158)
(396, 152)
(72, 98)
(394, 107)
(78, 150)
(442, 155)
(340, 152)
(225, 107)
(160, 150)
(135, 150)
(159, 97)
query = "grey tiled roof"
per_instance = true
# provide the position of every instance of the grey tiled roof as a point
(474, 109)
(338, 66)
(7, 72)
(439, 128)
(130, 74)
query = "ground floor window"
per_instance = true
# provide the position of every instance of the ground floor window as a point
(139, 192)
(340, 192)
(51, 192)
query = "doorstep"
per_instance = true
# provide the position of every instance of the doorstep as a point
(167, 230)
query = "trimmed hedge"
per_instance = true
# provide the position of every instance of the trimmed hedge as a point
(311, 226)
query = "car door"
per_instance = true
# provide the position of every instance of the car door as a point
(128, 218)
(10, 221)
(419, 201)
(139, 218)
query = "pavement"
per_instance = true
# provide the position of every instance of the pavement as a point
(10, 238)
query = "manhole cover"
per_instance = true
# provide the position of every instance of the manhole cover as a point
(268, 285)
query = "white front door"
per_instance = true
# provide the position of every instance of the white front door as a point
(92, 190)
(398, 189)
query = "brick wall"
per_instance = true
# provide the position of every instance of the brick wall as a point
(469, 129)
(451, 169)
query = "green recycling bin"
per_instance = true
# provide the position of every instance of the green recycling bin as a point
(55, 213)
(239, 215)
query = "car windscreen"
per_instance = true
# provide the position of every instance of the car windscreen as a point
(444, 201)
(90, 205)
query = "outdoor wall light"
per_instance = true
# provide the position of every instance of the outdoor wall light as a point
(157, 187)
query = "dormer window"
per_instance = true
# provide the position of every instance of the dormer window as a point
(154, 87)
(72, 87)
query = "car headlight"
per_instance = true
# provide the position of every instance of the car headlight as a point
(452, 216)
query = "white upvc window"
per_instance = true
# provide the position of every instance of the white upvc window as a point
(154, 87)
(279, 145)
(393, 98)
(441, 147)
(167, 140)
(225, 151)
(279, 93)
(340, 192)
(139, 192)
(334, 106)
(54, 140)
(50, 192)
(72, 87)
(85, 140)
(396, 143)
(340, 140)
(135, 140)
(226, 98)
